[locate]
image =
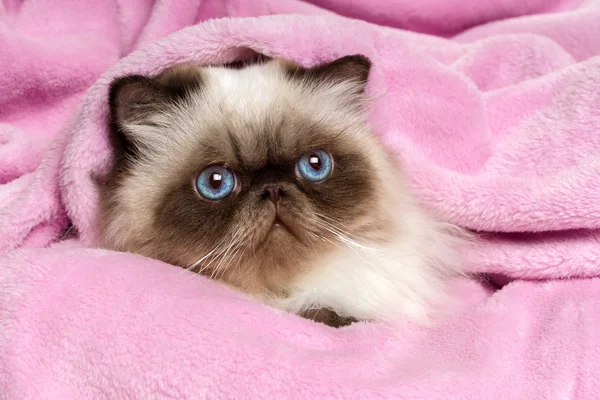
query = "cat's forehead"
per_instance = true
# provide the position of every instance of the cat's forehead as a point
(278, 138)
(258, 115)
(254, 87)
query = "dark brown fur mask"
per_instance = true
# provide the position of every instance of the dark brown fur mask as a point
(260, 224)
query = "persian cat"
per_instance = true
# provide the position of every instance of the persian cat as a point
(267, 178)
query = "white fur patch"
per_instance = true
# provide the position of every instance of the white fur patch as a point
(404, 279)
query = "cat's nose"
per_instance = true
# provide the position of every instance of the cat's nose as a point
(273, 192)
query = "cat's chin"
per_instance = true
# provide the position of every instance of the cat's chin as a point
(277, 225)
(278, 238)
(280, 231)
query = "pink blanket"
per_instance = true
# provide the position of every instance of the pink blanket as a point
(495, 108)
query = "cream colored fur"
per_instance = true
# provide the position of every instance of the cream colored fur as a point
(400, 273)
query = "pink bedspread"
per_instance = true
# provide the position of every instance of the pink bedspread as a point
(495, 109)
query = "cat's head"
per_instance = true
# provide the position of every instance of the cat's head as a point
(250, 175)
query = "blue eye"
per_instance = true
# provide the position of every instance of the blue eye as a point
(315, 166)
(215, 183)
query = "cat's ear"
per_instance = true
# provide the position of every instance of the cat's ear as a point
(136, 101)
(134, 98)
(352, 70)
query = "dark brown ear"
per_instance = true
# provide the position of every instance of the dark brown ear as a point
(354, 69)
(134, 99)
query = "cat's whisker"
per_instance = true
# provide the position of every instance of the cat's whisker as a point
(337, 225)
(224, 263)
(217, 258)
(349, 244)
(352, 245)
(375, 252)
(229, 263)
(325, 239)
(340, 235)
(194, 265)
(235, 244)
(339, 229)
(211, 256)
(206, 256)
(414, 252)
(238, 265)
(200, 260)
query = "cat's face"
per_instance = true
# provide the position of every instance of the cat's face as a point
(249, 175)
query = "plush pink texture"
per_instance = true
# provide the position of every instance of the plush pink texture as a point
(497, 126)
(113, 326)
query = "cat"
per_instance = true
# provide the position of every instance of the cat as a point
(268, 178)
